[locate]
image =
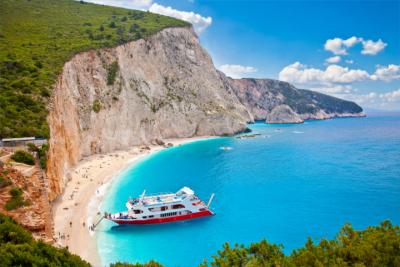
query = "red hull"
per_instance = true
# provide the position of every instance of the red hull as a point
(165, 220)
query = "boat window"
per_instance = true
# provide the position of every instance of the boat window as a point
(168, 214)
(164, 208)
(178, 206)
(138, 211)
(151, 216)
(144, 217)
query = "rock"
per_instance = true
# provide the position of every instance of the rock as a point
(283, 114)
(160, 142)
(247, 130)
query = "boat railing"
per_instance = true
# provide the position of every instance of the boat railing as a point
(157, 194)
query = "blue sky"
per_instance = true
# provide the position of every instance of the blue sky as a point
(289, 40)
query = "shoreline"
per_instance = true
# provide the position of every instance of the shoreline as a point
(77, 208)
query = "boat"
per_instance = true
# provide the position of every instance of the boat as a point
(163, 208)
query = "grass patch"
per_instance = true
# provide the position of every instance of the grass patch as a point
(23, 157)
(38, 36)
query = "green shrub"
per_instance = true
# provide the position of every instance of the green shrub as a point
(96, 106)
(17, 200)
(42, 153)
(374, 246)
(32, 147)
(112, 24)
(112, 72)
(18, 248)
(23, 157)
(4, 182)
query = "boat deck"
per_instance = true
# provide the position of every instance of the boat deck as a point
(157, 199)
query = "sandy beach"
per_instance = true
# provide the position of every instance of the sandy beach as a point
(77, 208)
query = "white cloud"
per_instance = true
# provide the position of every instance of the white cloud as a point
(301, 74)
(334, 89)
(334, 59)
(387, 73)
(388, 101)
(338, 81)
(391, 96)
(236, 71)
(132, 4)
(199, 22)
(349, 61)
(334, 74)
(339, 46)
(372, 48)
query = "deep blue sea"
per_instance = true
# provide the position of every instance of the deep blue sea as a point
(291, 182)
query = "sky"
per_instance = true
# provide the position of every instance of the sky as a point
(348, 49)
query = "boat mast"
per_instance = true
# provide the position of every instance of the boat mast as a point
(209, 202)
(142, 196)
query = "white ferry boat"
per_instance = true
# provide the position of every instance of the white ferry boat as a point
(163, 208)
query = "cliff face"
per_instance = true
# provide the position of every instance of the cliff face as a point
(280, 102)
(164, 87)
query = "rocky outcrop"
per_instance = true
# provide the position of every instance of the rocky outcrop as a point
(34, 214)
(283, 114)
(152, 89)
(280, 102)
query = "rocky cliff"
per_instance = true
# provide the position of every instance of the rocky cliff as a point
(280, 102)
(161, 87)
(164, 86)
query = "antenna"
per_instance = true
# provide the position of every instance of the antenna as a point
(209, 202)
(142, 196)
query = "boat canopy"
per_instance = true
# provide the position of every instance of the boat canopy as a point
(185, 191)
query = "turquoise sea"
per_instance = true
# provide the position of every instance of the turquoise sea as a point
(291, 182)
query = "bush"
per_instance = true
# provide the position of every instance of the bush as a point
(18, 248)
(374, 246)
(32, 147)
(42, 153)
(17, 200)
(112, 73)
(4, 182)
(112, 24)
(23, 157)
(96, 106)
